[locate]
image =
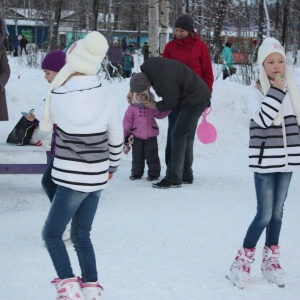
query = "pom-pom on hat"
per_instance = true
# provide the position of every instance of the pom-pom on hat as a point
(54, 60)
(269, 46)
(184, 22)
(84, 56)
(139, 82)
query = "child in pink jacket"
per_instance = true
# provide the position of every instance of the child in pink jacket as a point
(139, 123)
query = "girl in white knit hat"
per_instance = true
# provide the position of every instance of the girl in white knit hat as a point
(89, 140)
(274, 112)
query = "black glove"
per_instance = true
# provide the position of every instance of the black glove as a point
(1, 88)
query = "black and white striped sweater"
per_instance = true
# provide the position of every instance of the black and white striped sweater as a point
(272, 148)
(89, 134)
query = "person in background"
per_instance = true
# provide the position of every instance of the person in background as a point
(70, 43)
(188, 48)
(127, 63)
(23, 44)
(228, 60)
(178, 85)
(89, 140)
(16, 45)
(114, 55)
(139, 124)
(124, 43)
(274, 153)
(4, 72)
(145, 51)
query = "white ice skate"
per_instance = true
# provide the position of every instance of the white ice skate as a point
(91, 290)
(241, 266)
(270, 266)
(68, 289)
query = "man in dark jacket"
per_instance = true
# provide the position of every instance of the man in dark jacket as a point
(179, 86)
(23, 44)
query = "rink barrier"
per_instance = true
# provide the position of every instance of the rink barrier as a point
(23, 168)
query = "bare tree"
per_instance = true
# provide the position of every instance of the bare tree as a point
(164, 24)
(219, 18)
(286, 17)
(54, 30)
(153, 28)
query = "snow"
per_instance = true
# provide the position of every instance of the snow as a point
(150, 244)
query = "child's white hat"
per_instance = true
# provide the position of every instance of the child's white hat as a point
(269, 46)
(84, 56)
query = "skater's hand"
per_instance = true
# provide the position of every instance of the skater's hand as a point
(279, 81)
(129, 97)
(110, 176)
(30, 117)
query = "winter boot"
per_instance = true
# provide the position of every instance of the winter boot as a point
(91, 290)
(68, 289)
(270, 266)
(241, 267)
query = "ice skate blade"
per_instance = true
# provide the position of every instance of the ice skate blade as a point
(236, 280)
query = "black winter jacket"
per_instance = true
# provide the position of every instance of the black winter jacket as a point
(177, 84)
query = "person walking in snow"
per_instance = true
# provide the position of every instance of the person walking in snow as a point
(274, 112)
(228, 60)
(23, 44)
(127, 63)
(139, 124)
(89, 140)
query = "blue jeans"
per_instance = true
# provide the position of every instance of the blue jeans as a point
(182, 146)
(271, 192)
(81, 208)
(48, 185)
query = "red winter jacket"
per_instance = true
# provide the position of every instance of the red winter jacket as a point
(193, 53)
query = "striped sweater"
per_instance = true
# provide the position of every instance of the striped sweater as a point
(272, 148)
(89, 134)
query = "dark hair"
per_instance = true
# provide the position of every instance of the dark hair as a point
(228, 45)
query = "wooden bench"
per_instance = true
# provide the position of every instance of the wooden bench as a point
(31, 157)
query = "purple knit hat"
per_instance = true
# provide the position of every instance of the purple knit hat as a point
(54, 60)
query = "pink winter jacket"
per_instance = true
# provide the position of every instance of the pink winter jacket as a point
(140, 121)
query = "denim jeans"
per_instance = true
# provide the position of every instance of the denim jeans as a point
(182, 145)
(271, 192)
(48, 185)
(81, 208)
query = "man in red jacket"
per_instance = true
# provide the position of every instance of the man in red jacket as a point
(188, 48)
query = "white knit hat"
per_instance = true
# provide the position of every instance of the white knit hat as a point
(271, 45)
(84, 56)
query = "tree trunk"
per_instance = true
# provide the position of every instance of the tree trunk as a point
(260, 29)
(164, 25)
(286, 16)
(220, 15)
(153, 28)
(95, 14)
(54, 31)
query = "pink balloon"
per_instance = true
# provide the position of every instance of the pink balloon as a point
(206, 131)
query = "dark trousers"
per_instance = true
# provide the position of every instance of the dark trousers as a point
(172, 117)
(225, 74)
(145, 150)
(22, 50)
(183, 134)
